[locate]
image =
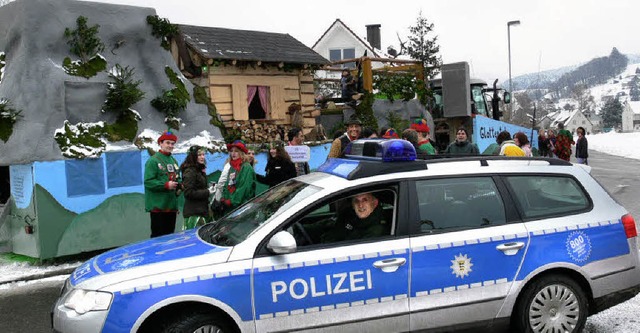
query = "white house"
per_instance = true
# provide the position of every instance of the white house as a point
(631, 116)
(339, 42)
(571, 120)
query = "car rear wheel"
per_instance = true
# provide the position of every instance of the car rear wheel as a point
(198, 322)
(554, 303)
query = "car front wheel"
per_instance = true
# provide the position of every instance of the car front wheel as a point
(553, 303)
(197, 322)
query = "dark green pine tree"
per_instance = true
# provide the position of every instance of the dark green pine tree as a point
(84, 41)
(634, 92)
(123, 92)
(611, 114)
(420, 46)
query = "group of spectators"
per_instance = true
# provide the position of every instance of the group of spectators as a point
(418, 134)
(165, 181)
(552, 145)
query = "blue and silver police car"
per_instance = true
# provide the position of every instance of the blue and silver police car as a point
(378, 242)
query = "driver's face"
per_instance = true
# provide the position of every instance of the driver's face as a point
(364, 204)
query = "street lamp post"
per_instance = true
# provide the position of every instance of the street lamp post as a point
(509, 24)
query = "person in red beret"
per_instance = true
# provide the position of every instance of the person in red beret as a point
(162, 186)
(424, 142)
(390, 134)
(240, 183)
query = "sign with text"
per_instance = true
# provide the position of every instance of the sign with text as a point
(21, 178)
(299, 154)
(485, 131)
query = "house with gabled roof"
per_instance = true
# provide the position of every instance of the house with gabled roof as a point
(250, 76)
(339, 42)
(571, 120)
(631, 116)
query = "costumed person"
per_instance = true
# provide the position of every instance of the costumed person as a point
(296, 138)
(522, 141)
(354, 127)
(162, 187)
(551, 135)
(424, 142)
(240, 185)
(461, 145)
(508, 147)
(390, 134)
(195, 188)
(564, 140)
(582, 147)
(543, 143)
(279, 166)
(412, 136)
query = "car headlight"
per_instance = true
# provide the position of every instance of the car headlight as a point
(83, 301)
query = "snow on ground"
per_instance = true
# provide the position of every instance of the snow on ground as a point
(11, 270)
(619, 144)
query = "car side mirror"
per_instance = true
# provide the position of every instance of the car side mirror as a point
(506, 97)
(282, 243)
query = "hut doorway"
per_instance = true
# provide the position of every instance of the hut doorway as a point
(5, 186)
(258, 99)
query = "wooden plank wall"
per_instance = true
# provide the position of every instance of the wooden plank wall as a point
(228, 91)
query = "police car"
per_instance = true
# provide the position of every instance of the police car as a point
(481, 242)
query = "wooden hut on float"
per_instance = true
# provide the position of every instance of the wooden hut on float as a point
(260, 82)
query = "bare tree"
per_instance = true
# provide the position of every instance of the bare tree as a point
(583, 96)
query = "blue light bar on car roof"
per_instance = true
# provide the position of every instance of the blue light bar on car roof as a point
(338, 167)
(394, 150)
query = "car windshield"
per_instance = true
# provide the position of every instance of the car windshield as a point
(235, 227)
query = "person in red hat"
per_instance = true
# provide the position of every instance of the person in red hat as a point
(390, 134)
(240, 183)
(162, 186)
(424, 143)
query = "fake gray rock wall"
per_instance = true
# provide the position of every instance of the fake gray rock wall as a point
(32, 36)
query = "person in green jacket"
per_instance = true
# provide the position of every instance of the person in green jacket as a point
(162, 187)
(462, 146)
(240, 185)
(424, 143)
(363, 220)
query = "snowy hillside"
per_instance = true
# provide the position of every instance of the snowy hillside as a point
(541, 80)
(615, 87)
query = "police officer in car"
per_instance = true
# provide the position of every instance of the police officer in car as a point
(364, 219)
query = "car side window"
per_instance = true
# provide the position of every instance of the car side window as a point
(361, 216)
(459, 203)
(540, 196)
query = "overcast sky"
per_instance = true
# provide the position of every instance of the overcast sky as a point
(552, 33)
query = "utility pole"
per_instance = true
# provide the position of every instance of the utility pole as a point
(509, 24)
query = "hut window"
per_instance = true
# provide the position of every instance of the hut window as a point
(258, 100)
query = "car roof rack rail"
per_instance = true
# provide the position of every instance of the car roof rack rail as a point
(484, 158)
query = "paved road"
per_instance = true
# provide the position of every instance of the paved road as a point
(26, 308)
(621, 177)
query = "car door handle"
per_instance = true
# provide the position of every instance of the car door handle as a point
(389, 265)
(510, 248)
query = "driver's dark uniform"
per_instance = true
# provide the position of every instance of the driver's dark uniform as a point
(348, 226)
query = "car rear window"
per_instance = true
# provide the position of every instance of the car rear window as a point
(541, 196)
(459, 203)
